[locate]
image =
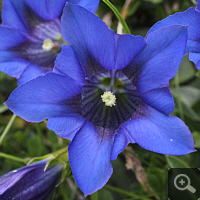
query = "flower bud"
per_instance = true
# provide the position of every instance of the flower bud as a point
(31, 182)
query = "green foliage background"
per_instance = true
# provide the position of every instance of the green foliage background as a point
(148, 179)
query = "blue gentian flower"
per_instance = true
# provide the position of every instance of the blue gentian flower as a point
(191, 18)
(31, 182)
(30, 36)
(108, 90)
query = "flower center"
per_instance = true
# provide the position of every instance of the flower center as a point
(109, 98)
(43, 43)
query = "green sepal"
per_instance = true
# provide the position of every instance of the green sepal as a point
(59, 157)
(67, 172)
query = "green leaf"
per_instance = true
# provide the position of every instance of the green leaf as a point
(186, 70)
(94, 196)
(118, 15)
(104, 194)
(157, 179)
(101, 194)
(188, 96)
(34, 147)
(175, 162)
(133, 8)
(196, 136)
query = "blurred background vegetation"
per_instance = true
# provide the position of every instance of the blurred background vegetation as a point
(138, 173)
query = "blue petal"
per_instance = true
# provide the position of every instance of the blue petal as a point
(122, 139)
(90, 5)
(191, 18)
(10, 63)
(12, 68)
(94, 48)
(47, 10)
(9, 37)
(65, 127)
(67, 63)
(198, 5)
(46, 96)
(160, 98)
(32, 71)
(127, 47)
(159, 60)
(157, 63)
(157, 132)
(13, 14)
(89, 157)
(195, 57)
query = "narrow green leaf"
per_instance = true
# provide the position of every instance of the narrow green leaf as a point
(175, 162)
(3, 108)
(118, 15)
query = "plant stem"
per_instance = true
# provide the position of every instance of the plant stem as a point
(3, 108)
(4, 155)
(118, 15)
(12, 119)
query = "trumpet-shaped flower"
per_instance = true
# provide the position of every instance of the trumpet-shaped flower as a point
(108, 90)
(30, 182)
(30, 36)
(191, 18)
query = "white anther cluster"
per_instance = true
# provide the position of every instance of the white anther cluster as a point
(47, 44)
(109, 98)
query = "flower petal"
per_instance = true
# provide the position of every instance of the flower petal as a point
(13, 14)
(160, 59)
(90, 5)
(94, 48)
(47, 9)
(9, 37)
(46, 96)
(32, 71)
(191, 18)
(89, 157)
(198, 5)
(156, 64)
(157, 132)
(122, 139)
(127, 47)
(65, 127)
(12, 68)
(67, 63)
(160, 98)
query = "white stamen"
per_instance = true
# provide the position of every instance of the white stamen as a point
(47, 44)
(109, 98)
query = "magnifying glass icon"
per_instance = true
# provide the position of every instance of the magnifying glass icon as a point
(182, 182)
